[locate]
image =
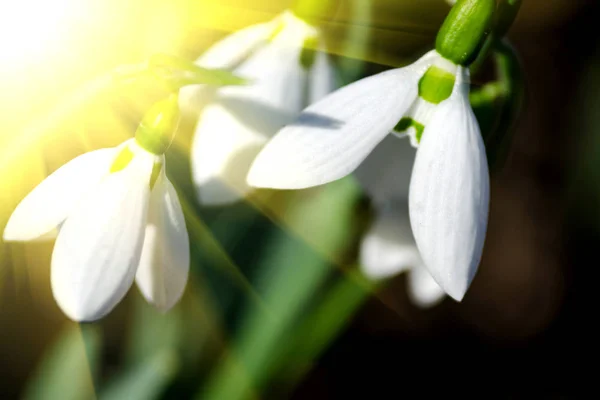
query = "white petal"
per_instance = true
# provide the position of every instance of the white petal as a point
(423, 289)
(227, 53)
(50, 202)
(232, 130)
(385, 173)
(165, 262)
(235, 47)
(333, 136)
(99, 245)
(388, 247)
(449, 193)
(322, 77)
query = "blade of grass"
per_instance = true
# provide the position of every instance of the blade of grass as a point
(69, 367)
(145, 381)
(323, 325)
(291, 275)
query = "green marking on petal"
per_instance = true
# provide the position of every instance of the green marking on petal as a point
(122, 160)
(436, 85)
(155, 174)
(280, 26)
(407, 123)
(309, 52)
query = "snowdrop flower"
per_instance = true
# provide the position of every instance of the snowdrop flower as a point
(428, 101)
(389, 247)
(285, 74)
(119, 219)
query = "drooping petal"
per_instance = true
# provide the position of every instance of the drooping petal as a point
(235, 47)
(333, 136)
(50, 202)
(388, 248)
(227, 53)
(423, 290)
(449, 193)
(233, 129)
(165, 261)
(99, 245)
(385, 173)
(322, 79)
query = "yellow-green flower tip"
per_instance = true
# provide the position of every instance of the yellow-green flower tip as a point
(158, 126)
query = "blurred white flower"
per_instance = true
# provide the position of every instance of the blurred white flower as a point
(449, 190)
(119, 219)
(389, 247)
(287, 68)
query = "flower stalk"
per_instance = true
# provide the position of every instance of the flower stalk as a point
(312, 11)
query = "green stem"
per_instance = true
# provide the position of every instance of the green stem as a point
(506, 13)
(313, 11)
(511, 75)
(179, 72)
(504, 16)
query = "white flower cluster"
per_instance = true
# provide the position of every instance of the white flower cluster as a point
(118, 217)
(449, 187)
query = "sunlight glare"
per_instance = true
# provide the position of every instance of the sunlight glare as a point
(32, 28)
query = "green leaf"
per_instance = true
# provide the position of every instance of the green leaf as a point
(68, 368)
(332, 314)
(152, 331)
(291, 273)
(145, 381)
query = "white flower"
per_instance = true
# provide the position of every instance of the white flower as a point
(119, 219)
(236, 121)
(449, 190)
(389, 247)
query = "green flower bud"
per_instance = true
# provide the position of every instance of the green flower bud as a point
(464, 30)
(158, 126)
